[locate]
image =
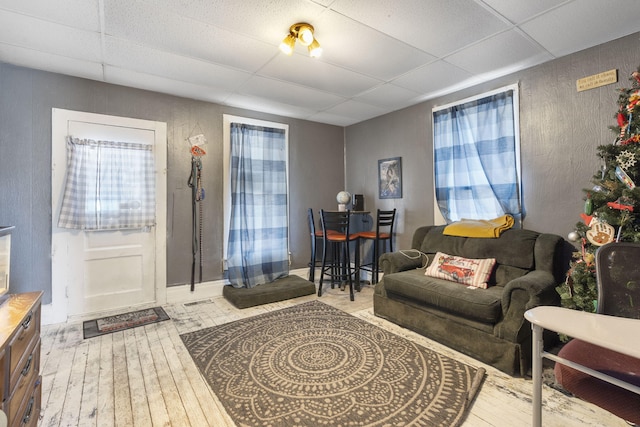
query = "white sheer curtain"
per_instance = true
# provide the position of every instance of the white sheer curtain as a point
(109, 185)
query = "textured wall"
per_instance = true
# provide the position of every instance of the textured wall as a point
(26, 99)
(560, 130)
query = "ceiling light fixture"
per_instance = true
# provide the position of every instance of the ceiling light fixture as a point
(302, 32)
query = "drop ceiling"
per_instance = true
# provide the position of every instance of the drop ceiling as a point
(379, 55)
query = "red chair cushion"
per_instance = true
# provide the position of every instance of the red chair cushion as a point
(614, 399)
(339, 237)
(372, 235)
(329, 232)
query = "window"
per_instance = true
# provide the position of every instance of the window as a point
(109, 186)
(477, 157)
(256, 201)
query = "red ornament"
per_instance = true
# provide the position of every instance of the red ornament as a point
(635, 138)
(586, 218)
(620, 205)
(621, 120)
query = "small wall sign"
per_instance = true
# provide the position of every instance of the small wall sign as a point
(597, 80)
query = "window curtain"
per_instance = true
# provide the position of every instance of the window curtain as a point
(475, 159)
(109, 186)
(258, 233)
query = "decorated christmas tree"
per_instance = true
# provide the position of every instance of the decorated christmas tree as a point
(612, 204)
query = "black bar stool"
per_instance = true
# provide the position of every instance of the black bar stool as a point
(385, 221)
(335, 233)
(316, 236)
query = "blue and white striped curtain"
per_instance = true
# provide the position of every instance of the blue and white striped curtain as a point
(475, 159)
(258, 234)
(109, 186)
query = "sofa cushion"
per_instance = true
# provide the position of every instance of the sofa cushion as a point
(483, 305)
(468, 271)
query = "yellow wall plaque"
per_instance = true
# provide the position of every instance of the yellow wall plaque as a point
(597, 80)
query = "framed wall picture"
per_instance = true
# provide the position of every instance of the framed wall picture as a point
(390, 178)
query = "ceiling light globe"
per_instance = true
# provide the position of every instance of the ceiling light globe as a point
(305, 36)
(286, 49)
(315, 50)
(287, 44)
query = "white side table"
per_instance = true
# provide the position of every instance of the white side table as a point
(615, 333)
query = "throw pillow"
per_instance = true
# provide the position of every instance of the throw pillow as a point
(472, 272)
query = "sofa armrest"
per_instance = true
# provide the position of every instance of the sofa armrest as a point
(531, 290)
(393, 262)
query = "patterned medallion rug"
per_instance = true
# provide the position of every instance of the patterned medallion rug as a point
(315, 365)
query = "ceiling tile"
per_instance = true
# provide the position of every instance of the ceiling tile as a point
(288, 93)
(264, 20)
(519, 11)
(268, 106)
(388, 96)
(433, 77)
(303, 70)
(123, 54)
(499, 55)
(333, 119)
(356, 110)
(82, 14)
(352, 45)
(434, 26)
(50, 62)
(154, 83)
(593, 21)
(168, 31)
(49, 37)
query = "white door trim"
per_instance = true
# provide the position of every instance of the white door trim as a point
(57, 311)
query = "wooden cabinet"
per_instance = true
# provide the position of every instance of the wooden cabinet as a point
(20, 378)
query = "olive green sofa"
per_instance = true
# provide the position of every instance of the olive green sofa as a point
(487, 324)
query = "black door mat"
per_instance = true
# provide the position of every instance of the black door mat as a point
(120, 322)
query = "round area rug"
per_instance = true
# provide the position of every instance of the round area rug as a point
(314, 365)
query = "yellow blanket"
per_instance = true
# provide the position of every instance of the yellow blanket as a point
(490, 228)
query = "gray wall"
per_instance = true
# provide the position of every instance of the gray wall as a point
(26, 99)
(560, 130)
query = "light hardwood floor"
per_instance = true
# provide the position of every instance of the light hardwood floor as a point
(145, 377)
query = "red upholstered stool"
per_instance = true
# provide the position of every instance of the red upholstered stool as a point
(623, 403)
(613, 326)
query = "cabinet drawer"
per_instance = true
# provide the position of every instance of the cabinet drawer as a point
(4, 377)
(29, 412)
(25, 333)
(24, 381)
(26, 365)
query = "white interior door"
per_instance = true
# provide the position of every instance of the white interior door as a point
(96, 272)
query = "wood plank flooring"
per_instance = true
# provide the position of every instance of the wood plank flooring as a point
(145, 377)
